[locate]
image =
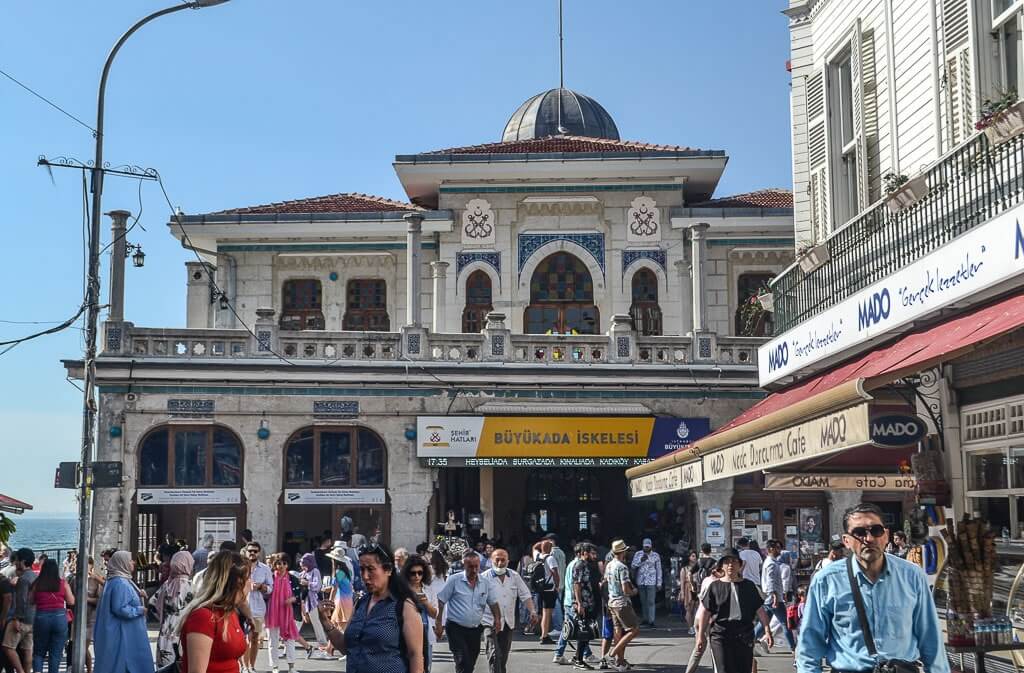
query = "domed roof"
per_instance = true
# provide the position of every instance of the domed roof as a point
(581, 116)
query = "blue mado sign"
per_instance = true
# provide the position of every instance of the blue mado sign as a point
(897, 430)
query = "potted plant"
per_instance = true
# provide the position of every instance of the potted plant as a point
(811, 256)
(765, 298)
(901, 192)
(752, 316)
(1002, 118)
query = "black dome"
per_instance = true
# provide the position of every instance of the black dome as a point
(581, 116)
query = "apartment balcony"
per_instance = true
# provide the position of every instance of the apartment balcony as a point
(968, 187)
(621, 346)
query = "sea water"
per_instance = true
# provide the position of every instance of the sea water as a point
(45, 533)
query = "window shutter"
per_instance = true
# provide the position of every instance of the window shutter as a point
(859, 134)
(817, 155)
(958, 75)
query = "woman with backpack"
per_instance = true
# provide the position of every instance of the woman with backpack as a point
(385, 633)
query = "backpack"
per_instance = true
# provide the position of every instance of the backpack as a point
(704, 568)
(793, 616)
(537, 576)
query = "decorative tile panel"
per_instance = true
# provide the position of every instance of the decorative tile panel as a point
(263, 338)
(643, 220)
(464, 259)
(190, 408)
(592, 243)
(114, 335)
(478, 222)
(704, 347)
(658, 256)
(412, 344)
(335, 408)
(622, 346)
(497, 344)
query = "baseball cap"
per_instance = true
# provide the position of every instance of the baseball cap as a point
(647, 542)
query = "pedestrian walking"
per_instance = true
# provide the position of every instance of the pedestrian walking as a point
(121, 641)
(212, 634)
(697, 653)
(343, 593)
(586, 589)
(312, 582)
(18, 642)
(688, 588)
(385, 634)
(899, 545)
(888, 595)
(418, 574)
(733, 602)
(201, 556)
(508, 586)
(92, 599)
(466, 596)
(543, 554)
(774, 592)
(567, 605)
(836, 552)
(52, 597)
(561, 587)
(752, 560)
(647, 566)
(620, 593)
(283, 615)
(70, 565)
(261, 585)
(401, 556)
(169, 602)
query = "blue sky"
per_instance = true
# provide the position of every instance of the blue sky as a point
(260, 100)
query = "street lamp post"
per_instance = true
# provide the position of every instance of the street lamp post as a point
(92, 297)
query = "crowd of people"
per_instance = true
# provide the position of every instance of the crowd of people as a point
(386, 611)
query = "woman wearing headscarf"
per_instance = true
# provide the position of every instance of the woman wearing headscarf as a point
(120, 639)
(169, 601)
(312, 582)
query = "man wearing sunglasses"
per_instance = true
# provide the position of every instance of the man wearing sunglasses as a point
(901, 617)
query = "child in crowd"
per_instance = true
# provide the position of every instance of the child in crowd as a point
(281, 614)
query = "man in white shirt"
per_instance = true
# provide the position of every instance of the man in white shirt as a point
(508, 586)
(751, 561)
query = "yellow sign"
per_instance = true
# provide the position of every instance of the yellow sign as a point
(544, 436)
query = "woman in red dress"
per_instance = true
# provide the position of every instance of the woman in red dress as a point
(212, 638)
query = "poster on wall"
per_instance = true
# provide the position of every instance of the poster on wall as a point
(222, 528)
(189, 496)
(715, 536)
(764, 533)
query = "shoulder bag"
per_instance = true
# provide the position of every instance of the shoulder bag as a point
(881, 665)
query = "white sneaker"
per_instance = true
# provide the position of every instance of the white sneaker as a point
(592, 659)
(692, 632)
(619, 667)
(560, 660)
(554, 634)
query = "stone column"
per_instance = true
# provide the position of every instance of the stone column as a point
(621, 339)
(715, 494)
(686, 294)
(438, 273)
(414, 262)
(118, 249)
(487, 505)
(197, 304)
(838, 503)
(497, 339)
(265, 343)
(698, 255)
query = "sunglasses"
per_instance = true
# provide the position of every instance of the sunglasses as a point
(876, 531)
(374, 548)
(416, 573)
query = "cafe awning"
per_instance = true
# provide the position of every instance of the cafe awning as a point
(13, 505)
(841, 395)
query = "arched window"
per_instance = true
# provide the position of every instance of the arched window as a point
(176, 456)
(478, 302)
(645, 311)
(366, 307)
(751, 319)
(301, 304)
(335, 457)
(562, 298)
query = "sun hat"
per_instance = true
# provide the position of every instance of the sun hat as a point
(729, 553)
(619, 547)
(337, 551)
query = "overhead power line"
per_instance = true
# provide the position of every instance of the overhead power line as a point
(48, 101)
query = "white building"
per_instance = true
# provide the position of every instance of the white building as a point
(551, 333)
(905, 300)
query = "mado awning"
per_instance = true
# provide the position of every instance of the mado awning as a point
(830, 412)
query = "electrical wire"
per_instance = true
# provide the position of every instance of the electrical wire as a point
(135, 222)
(48, 102)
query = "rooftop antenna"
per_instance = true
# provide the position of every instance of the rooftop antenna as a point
(561, 70)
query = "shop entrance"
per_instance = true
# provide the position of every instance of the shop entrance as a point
(302, 527)
(187, 523)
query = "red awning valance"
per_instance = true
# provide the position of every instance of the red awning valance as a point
(13, 505)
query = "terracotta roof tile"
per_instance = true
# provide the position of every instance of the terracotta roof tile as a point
(762, 198)
(567, 144)
(332, 203)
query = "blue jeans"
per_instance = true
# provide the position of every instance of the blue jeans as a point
(648, 597)
(557, 616)
(50, 633)
(562, 642)
(780, 613)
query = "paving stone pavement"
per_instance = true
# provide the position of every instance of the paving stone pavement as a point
(660, 650)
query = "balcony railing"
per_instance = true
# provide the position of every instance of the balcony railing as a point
(969, 186)
(546, 349)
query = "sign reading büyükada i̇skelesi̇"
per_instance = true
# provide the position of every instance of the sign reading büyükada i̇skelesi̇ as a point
(817, 437)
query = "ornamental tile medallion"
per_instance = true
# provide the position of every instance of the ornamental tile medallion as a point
(464, 259)
(478, 221)
(643, 220)
(657, 255)
(593, 243)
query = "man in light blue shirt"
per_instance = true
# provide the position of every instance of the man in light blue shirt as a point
(899, 607)
(467, 596)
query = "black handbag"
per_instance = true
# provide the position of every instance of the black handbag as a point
(881, 665)
(576, 628)
(174, 666)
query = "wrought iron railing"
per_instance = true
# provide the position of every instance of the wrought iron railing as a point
(967, 187)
